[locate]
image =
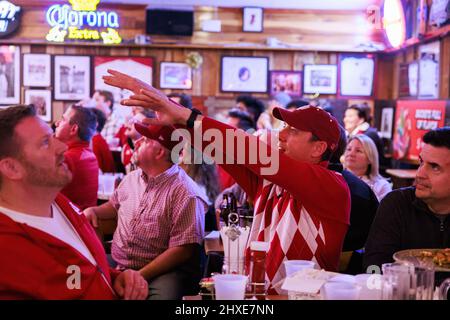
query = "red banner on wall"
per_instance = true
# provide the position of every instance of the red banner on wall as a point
(412, 120)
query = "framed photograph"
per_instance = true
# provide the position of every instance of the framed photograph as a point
(36, 70)
(252, 19)
(408, 79)
(428, 84)
(387, 121)
(9, 74)
(139, 67)
(42, 101)
(289, 82)
(356, 74)
(72, 80)
(175, 75)
(244, 74)
(320, 78)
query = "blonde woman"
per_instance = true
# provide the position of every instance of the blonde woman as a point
(361, 158)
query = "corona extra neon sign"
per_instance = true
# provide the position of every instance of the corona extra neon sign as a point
(82, 21)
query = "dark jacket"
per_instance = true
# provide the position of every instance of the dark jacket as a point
(404, 222)
(363, 209)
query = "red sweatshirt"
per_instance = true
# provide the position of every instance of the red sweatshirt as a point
(83, 188)
(104, 156)
(303, 209)
(35, 264)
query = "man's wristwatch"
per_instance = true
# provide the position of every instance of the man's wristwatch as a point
(194, 114)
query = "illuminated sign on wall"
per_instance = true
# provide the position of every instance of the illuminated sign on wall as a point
(394, 22)
(9, 18)
(82, 21)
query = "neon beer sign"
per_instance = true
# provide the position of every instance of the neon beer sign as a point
(82, 21)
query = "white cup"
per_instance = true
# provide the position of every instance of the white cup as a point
(292, 266)
(370, 286)
(340, 291)
(108, 183)
(230, 286)
(343, 278)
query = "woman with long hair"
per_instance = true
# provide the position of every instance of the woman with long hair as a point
(361, 158)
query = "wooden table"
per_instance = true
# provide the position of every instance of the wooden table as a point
(402, 177)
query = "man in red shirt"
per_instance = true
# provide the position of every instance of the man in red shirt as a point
(301, 207)
(49, 250)
(76, 129)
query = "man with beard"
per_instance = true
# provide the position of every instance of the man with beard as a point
(49, 250)
(419, 216)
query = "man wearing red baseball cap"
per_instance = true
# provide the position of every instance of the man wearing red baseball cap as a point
(161, 218)
(302, 208)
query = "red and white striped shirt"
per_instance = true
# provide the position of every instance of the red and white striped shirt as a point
(155, 214)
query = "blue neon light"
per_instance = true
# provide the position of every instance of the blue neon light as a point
(64, 16)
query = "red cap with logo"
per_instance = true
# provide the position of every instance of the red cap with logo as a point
(312, 119)
(162, 134)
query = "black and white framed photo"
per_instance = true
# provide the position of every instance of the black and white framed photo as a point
(252, 19)
(9, 74)
(175, 75)
(320, 78)
(356, 74)
(42, 101)
(387, 120)
(36, 70)
(244, 74)
(72, 80)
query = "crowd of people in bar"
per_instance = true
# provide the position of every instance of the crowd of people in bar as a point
(327, 196)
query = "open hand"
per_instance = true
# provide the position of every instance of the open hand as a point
(167, 112)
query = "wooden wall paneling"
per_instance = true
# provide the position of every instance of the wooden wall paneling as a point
(385, 70)
(333, 58)
(410, 54)
(282, 61)
(210, 73)
(395, 75)
(120, 51)
(444, 83)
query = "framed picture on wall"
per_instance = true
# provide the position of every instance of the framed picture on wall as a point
(387, 121)
(289, 82)
(320, 78)
(72, 80)
(138, 67)
(42, 101)
(252, 19)
(356, 74)
(428, 85)
(36, 70)
(408, 79)
(244, 74)
(9, 74)
(175, 75)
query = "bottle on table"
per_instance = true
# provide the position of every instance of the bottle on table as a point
(258, 253)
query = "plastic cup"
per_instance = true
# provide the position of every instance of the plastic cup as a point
(340, 291)
(292, 266)
(370, 286)
(108, 183)
(230, 286)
